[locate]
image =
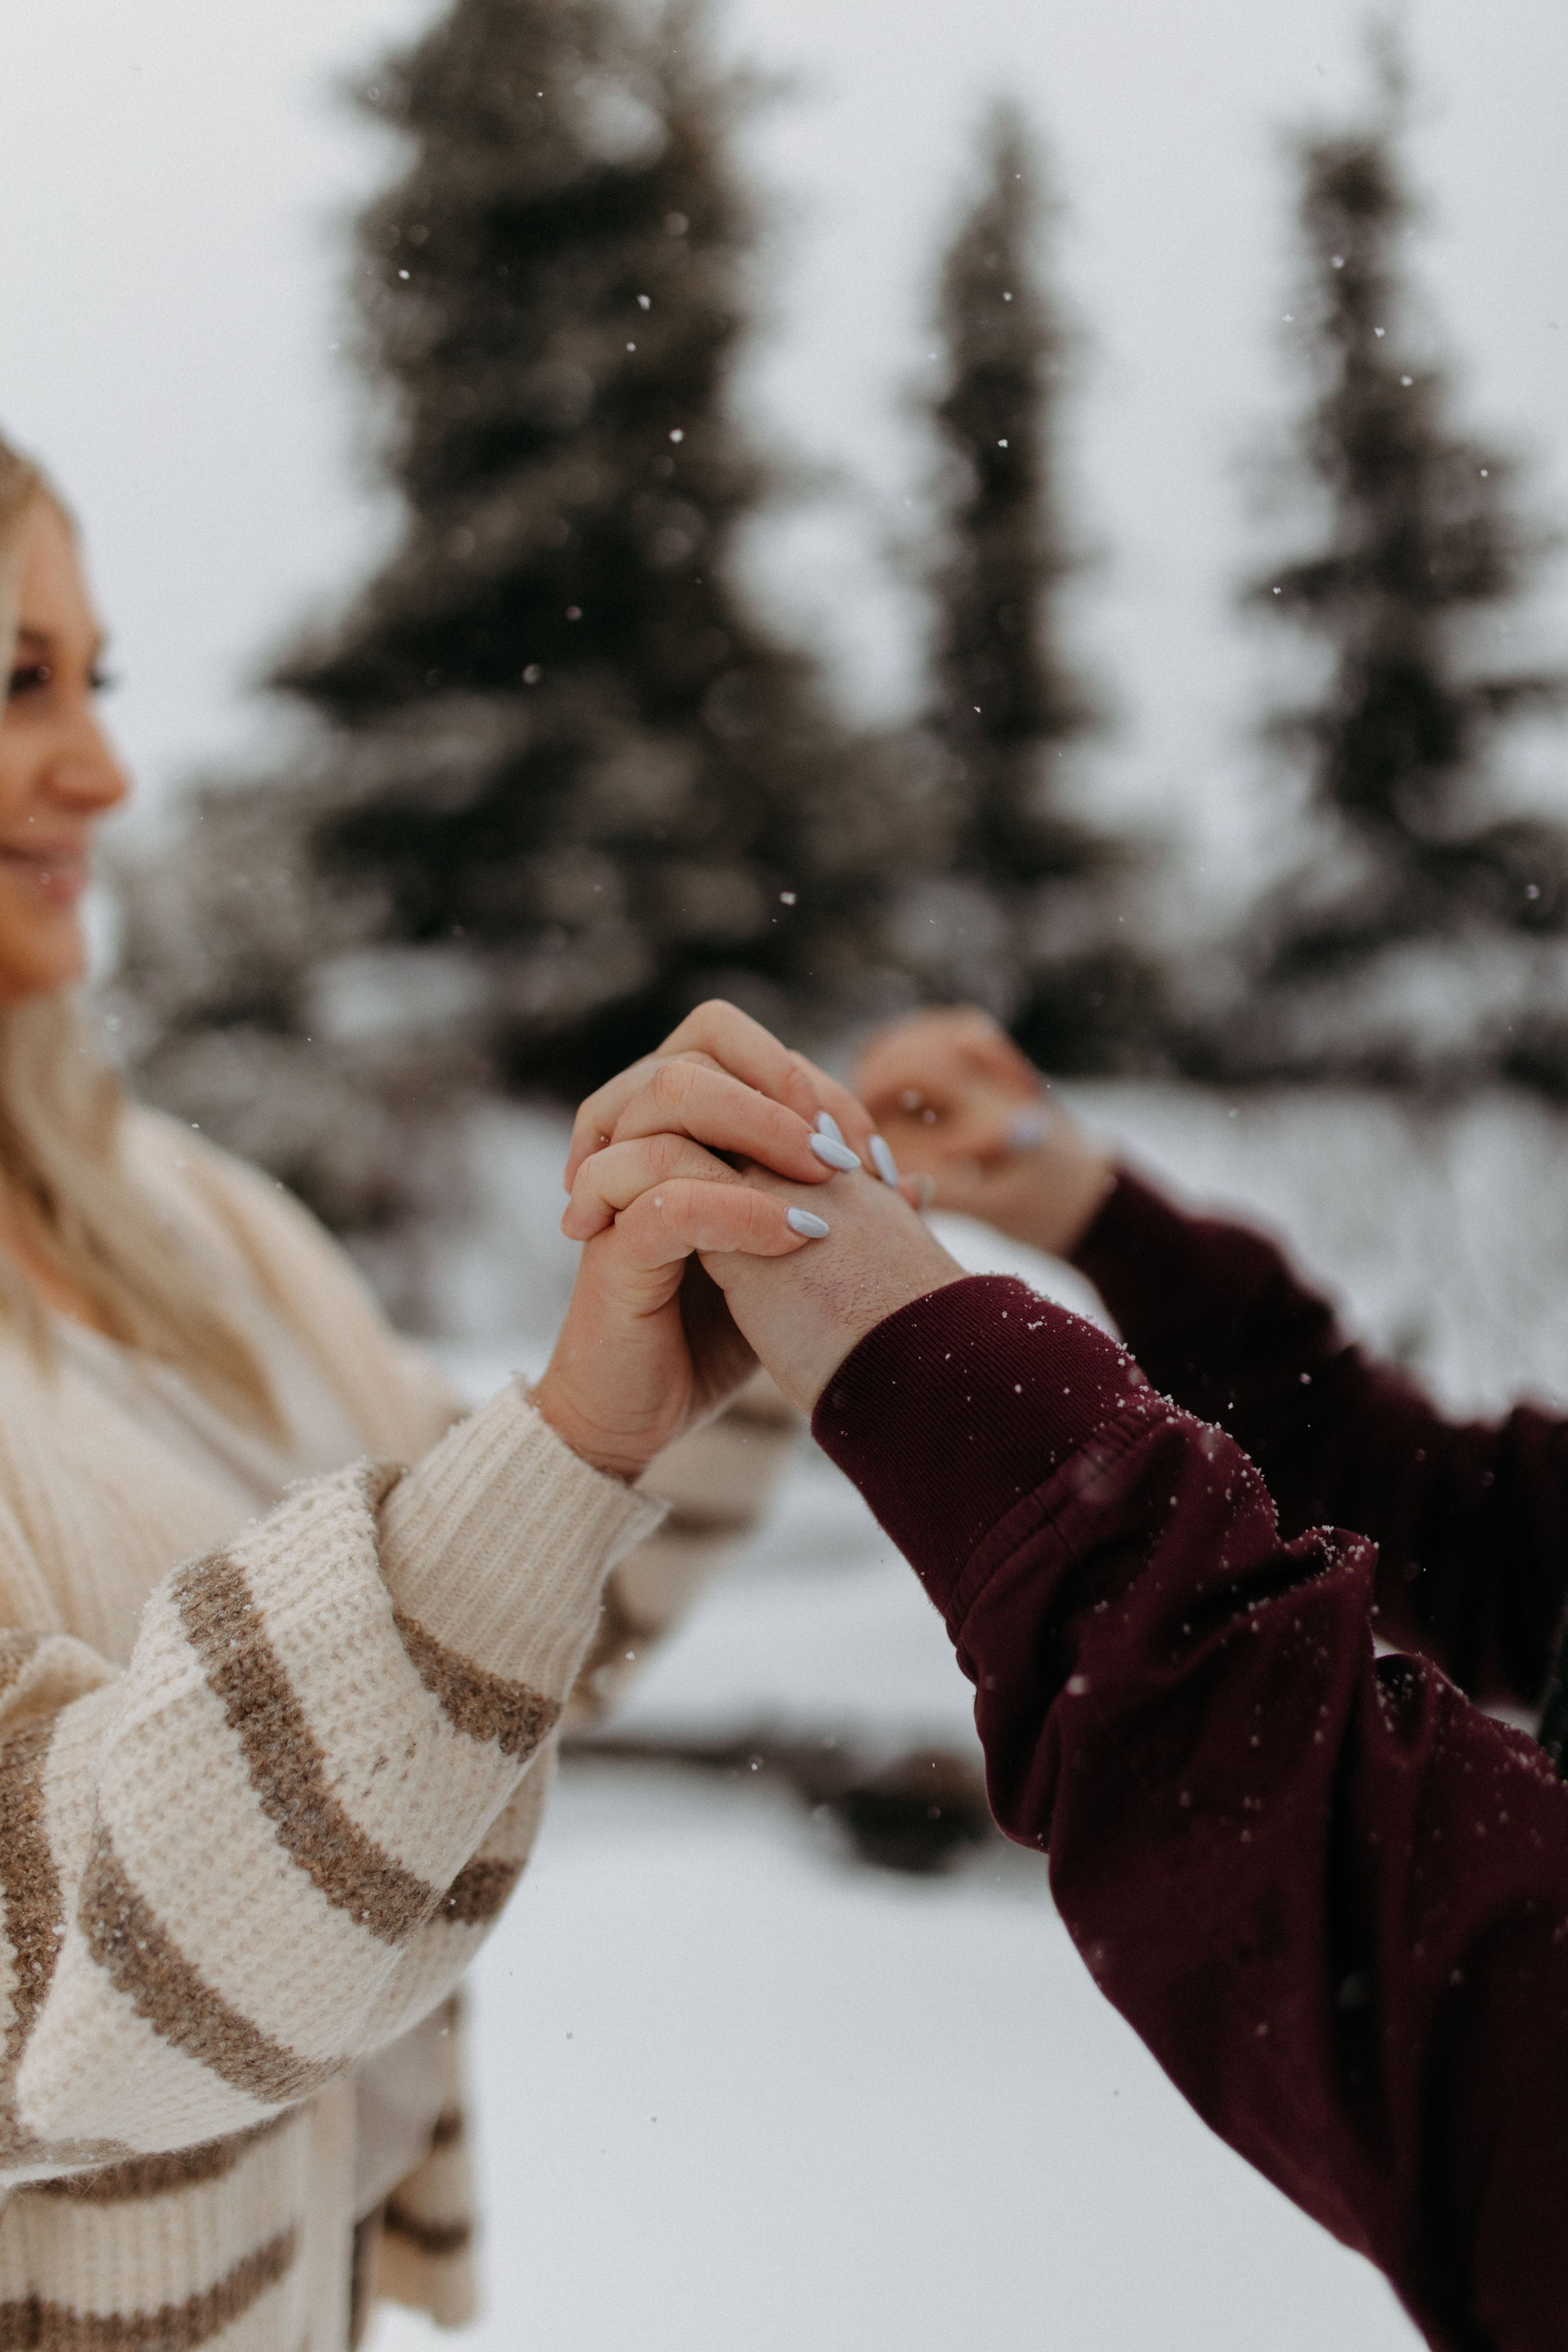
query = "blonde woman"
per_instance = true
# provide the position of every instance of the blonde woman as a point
(275, 1713)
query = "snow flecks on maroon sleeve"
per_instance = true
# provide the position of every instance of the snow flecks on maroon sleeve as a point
(1329, 1894)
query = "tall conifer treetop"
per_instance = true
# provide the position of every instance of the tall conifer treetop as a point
(547, 324)
(629, 793)
(1421, 539)
(1027, 922)
(1008, 699)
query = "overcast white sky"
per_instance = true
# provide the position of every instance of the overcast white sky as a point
(174, 177)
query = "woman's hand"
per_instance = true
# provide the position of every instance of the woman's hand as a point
(648, 1346)
(720, 1036)
(959, 1103)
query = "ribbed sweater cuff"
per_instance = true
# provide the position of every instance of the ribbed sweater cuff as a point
(500, 1539)
(960, 1404)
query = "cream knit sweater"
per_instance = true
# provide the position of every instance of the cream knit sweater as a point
(264, 1787)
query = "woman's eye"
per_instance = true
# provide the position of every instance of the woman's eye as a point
(31, 679)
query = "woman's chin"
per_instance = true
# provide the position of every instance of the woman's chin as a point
(41, 957)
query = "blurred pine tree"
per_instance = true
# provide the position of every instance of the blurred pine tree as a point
(1034, 896)
(1423, 540)
(643, 797)
(562, 782)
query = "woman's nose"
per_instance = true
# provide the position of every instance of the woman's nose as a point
(86, 770)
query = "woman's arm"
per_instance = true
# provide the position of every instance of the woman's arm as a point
(266, 1848)
(717, 1479)
(219, 1865)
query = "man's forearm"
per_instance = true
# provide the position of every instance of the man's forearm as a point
(1327, 1892)
(1471, 1519)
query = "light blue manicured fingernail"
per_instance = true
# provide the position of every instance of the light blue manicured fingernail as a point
(831, 1154)
(882, 1161)
(827, 1125)
(802, 1221)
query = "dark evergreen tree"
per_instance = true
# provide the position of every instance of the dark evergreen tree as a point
(1010, 704)
(642, 796)
(1423, 537)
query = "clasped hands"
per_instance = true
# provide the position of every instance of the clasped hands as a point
(738, 1206)
(728, 1200)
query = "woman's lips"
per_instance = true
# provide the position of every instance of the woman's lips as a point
(56, 873)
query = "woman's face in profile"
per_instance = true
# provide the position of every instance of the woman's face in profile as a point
(57, 773)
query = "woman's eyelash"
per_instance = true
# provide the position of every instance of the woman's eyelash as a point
(33, 677)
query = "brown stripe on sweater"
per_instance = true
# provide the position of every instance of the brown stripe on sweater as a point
(479, 1704)
(285, 1761)
(16, 1650)
(42, 2327)
(364, 2260)
(142, 1962)
(33, 1919)
(698, 1522)
(479, 1892)
(754, 1413)
(429, 2237)
(154, 2176)
(617, 1637)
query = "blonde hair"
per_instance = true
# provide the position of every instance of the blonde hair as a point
(20, 483)
(62, 1175)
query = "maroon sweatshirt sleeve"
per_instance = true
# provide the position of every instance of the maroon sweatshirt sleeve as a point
(1470, 1519)
(1329, 1894)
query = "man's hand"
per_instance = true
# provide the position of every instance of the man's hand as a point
(803, 1314)
(959, 1103)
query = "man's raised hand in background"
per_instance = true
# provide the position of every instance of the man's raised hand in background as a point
(960, 1105)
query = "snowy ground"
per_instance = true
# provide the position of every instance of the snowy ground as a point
(737, 2092)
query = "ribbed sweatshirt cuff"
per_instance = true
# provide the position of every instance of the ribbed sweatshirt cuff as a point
(499, 1540)
(953, 1409)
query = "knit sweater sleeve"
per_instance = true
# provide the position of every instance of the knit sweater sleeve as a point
(267, 1846)
(717, 1483)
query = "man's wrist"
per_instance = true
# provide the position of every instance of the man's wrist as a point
(1059, 1216)
(802, 1354)
(849, 1336)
